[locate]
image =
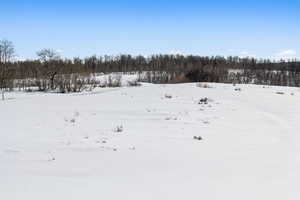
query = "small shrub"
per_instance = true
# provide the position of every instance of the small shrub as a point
(134, 83)
(197, 138)
(114, 81)
(203, 101)
(118, 129)
(168, 96)
(203, 85)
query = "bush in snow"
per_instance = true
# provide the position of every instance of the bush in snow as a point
(168, 96)
(118, 129)
(203, 85)
(197, 138)
(203, 101)
(134, 83)
(2, 95)
(115, 81)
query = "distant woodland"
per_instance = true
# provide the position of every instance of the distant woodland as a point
(50, 71)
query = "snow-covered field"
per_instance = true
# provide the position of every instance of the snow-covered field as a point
(136, 143)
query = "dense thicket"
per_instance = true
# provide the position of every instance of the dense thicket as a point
(47, 74)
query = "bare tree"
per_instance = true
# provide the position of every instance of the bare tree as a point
(7, 52)
(50, 69)
(47, 55)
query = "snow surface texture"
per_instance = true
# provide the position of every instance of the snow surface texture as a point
(138, 143)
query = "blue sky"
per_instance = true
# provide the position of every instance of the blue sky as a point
(265, 29)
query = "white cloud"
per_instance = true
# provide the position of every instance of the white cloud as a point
(176, 52)
(245, 54)
(241, 53)
(286, 53)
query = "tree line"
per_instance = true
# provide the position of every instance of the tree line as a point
(52, 72)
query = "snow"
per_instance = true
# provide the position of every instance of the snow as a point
(71, 146)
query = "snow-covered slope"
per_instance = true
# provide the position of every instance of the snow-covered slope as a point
(137, 143)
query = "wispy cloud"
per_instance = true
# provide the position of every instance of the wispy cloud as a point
(247, 54)
(176, 52)
(244, 53)
(241, 53)
(286, 53)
